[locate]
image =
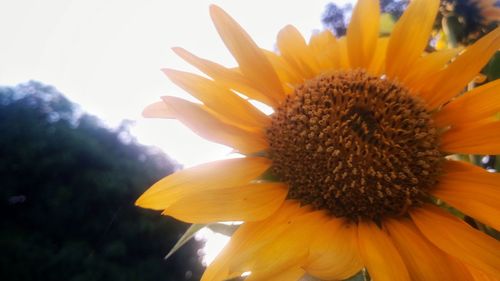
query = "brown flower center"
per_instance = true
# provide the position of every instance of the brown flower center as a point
(356, 145)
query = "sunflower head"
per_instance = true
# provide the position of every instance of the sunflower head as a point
(345, 173)
(355, 145)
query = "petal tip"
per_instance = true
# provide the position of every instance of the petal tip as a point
(179, 50)
(215, 11)
(169, 72)
(140, 201)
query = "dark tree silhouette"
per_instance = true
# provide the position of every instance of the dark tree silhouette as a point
(333, 18)
(67, 190)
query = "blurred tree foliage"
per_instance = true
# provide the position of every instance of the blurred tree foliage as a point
(67, 190)
(336, 17)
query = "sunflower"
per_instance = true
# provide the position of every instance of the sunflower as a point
(352, 169)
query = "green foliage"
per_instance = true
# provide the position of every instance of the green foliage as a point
(67, 197)
(492, 69)
(386, 24)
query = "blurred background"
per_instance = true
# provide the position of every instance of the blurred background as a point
(75, 152)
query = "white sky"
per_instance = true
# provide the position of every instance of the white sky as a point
(106, 55)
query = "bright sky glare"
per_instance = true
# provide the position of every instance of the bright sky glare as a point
(107, 55)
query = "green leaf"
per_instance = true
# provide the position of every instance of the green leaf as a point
(497, 163)
(190, 232)
(492, 69)
(386, 24)
(309, 278)
(453, 30)
(225, 229)
(360, 276)
(269, 176)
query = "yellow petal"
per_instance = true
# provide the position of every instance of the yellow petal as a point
(219, 99)
(472, 190)
(287, 74)
(410, 36)
(362, 33)
(377, 66)
(423, 260)
(293, 273)
(324, 47)
(334, 253)
(247, 240)
(209, 126)
(458, 239)
(216, 175)
(294, 50)
(481, 276)
(253, 63)
(269, 233)
(158, 110)
(225, 76)
(426, 67)
(480, 138)
(451, 80)
(238, 203)
(342, 53)
(291, 249)
(379, 255)
(481, 102)
(219, 268)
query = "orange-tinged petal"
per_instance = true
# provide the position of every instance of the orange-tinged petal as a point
(342, 53)
(423, 260)
(291, 274)
(219, 268)
(481, 276)
(410, 36)
(253, 63)
(379, 255)
(216, 175)
(334, 253)
(209, 126)
(451, 80)
(475, 138)
(286, 73)
(252, 202)
(158, 110)
(248, 239)
(294, 50)
(481, 102)
(472, 190)
(225, 76)
(377, 66)
(324, 47)
(458, 239)
(362, 33)
(427, 66)
(291, 249)
(269, 233)
(219, 99)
